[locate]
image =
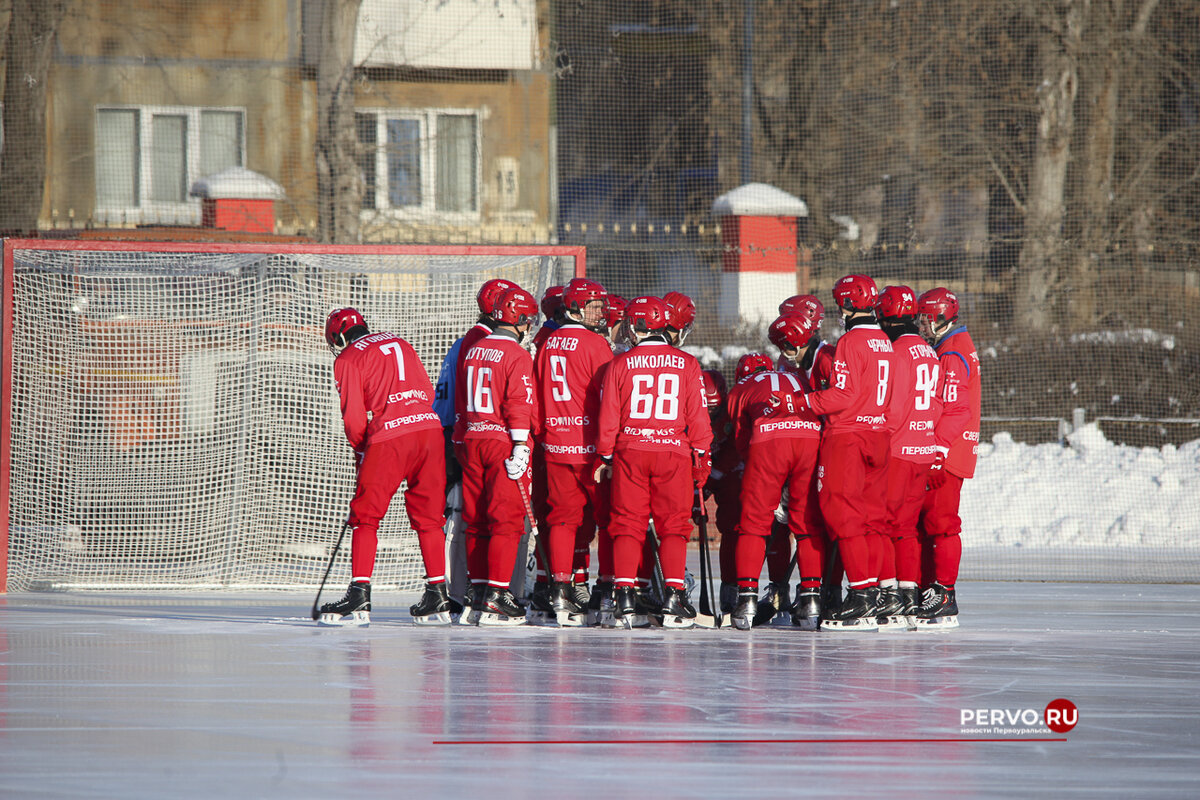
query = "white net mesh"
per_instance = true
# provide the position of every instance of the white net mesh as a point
(174, 419)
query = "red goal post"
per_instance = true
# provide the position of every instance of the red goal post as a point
(169, 418)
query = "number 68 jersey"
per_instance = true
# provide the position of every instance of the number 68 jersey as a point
(653, 400)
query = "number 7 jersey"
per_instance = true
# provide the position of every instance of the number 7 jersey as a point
(384, 390)
(653, 400)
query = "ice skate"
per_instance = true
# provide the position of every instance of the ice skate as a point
(746, 609)
(806, 613)
(501, 609)
(857, 613)
(889, 613)
(472, 609)
(434, 607)
(567, 613)
(677, 612)
(627, 606)
(909, 605)
(774, 606)
(602, 606)
(540, 611)
(939, 609)
(582, 594)
(353, 610)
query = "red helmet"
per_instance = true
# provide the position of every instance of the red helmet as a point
(715, 389)
(803, 305)
(552, 300)
(790, 332)
(681, 311)
(938, 305)
(581, 291)
(490, 291)
(897, 302)
(647, 314)
(615, 310)
(752, 363)
(515, 307)
(340, 321)
(855, 293)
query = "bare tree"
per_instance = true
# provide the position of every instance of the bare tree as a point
(30, 45)
(339, 184)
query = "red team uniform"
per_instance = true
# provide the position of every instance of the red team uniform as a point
(570, 367)
(652, 420)
(956, 438)
(498, 414)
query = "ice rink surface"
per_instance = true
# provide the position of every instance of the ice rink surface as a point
(158, 695)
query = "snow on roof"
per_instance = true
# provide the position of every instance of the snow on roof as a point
(759, 200)
(238, 183)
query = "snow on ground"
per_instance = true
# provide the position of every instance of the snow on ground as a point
(1089, 492)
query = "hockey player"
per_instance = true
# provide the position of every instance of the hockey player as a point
(725, 483)
(498, 415)
(956, 440)
(552, 312)
(914, 411)
(855, 448)
(653, 440)
(448, 405)
(681, 314)
(389, 421)
(814, 358)
(569, 368)
(779, 446)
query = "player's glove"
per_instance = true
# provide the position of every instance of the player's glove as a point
(518, 462)
(781, 510)
(937, 472)
(603, 470)
(701, 467)
(783, 402)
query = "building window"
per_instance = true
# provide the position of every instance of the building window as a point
(421, 162)
(147, 158)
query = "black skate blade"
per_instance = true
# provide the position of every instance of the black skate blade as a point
(766, 612)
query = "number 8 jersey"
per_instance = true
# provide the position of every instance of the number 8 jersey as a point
(653, 400)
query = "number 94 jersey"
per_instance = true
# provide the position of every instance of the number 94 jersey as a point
(384, 390)
(653, 400)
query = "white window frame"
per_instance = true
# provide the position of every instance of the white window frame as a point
(156, 212)
(427, 211)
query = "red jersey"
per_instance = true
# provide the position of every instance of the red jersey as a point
(755, 420)
(384, 389)
(476, 332)
(653, 400)
(860, 386)
(498, 381)
(916, 405)
(961, 394)
(816, 377)
(570, 367)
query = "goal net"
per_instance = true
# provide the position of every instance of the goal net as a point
(170, 417)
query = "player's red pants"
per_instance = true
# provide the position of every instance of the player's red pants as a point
(771, 466)
(419, 458)
(939, 527)
(571, 489)
(493, 511)
(852, 468)
(905, 497)
(646, 484)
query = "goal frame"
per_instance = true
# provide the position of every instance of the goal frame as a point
(7, 309)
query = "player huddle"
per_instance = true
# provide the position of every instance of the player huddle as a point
(854, 453)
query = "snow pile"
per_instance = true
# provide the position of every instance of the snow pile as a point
(1089, 493)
